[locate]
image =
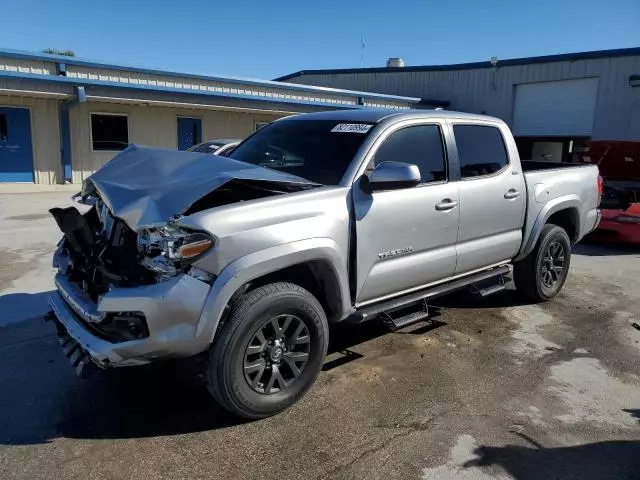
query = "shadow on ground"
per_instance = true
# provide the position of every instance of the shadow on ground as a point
(592, 249)
(17, 307)
(614, 460)
(634, 412)
(465, 299)
(46, 400)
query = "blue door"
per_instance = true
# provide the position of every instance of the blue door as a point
(189, 132)
(16, 156)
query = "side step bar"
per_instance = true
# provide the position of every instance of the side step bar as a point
(395, 322)
(433, 292)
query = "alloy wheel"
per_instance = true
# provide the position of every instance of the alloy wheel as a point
(552, 266)
(277, 354)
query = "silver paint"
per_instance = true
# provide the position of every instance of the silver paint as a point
(453, 228)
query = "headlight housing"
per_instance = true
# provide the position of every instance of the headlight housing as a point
(169, 249)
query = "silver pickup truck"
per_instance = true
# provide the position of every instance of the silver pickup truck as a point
(314, 219)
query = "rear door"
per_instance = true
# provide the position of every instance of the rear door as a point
(492, 196)
(406, 237)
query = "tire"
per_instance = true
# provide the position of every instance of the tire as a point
(241, 374)
(531, 275)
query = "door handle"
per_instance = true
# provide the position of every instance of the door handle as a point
(446, 204)
(512, 193)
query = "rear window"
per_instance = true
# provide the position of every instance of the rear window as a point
(481, 150)
(316, 150)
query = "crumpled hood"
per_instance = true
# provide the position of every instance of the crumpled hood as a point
(145, 187)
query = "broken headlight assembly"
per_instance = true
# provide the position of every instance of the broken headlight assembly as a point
(169, 250)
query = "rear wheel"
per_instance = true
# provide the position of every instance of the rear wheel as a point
(541, 275)
(269, 352)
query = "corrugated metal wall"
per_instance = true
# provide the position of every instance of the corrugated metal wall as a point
(45, 135)
(151, 126)
(484, 90)
(190, 84)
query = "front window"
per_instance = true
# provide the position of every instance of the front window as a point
(316, 150)
(109, 131)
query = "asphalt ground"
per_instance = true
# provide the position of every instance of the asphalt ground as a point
(490, 388)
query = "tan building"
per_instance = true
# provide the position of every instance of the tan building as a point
(62, 118)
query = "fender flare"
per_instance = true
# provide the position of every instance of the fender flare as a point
(553, 206)
(263, 262)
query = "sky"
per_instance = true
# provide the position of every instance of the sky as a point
(266, 39)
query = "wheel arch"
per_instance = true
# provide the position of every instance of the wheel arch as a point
(316, 265)
(564, 212)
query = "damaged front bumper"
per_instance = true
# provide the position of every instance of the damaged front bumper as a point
(171, 310)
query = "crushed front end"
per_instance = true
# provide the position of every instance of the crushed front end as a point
(125, 298)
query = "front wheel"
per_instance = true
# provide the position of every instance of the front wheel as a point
(541, 275)
(269, 351)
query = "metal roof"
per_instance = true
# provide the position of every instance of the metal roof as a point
(564, 57)
(61, 59)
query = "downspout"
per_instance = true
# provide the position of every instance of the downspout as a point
(65, 129)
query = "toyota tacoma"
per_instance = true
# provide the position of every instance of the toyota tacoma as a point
(314, 219)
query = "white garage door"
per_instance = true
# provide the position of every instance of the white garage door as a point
(563, 108)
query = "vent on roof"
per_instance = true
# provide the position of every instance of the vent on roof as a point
(395, 62)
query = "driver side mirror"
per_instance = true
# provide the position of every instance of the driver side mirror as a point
(391, 176)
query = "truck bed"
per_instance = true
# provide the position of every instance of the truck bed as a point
(573, 185)
(533, 165)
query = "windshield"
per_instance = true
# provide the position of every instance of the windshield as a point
(316, 150)
(206, 147)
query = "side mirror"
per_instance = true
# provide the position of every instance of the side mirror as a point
(393, 175)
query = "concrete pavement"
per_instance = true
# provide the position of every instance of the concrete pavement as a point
(492, 388)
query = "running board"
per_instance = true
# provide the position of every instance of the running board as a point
(366, 312)
(393, 321)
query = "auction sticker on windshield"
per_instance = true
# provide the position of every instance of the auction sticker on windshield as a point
(351, 128)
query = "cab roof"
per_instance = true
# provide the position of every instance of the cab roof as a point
(376, 115)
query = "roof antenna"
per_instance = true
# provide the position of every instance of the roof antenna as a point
(362, 47)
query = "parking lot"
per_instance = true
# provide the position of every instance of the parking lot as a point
(490, 388)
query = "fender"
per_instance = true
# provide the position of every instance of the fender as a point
(552, 206)
(262, 262)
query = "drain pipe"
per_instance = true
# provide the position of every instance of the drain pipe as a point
(65, 132)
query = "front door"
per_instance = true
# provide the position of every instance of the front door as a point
(492, 196)
(16, 157)
(189, 132)
(406, 238)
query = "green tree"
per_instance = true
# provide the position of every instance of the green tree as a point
(55, 51)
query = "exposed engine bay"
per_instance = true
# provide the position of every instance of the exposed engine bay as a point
(103, 252)
(100, 251)
(131, 236)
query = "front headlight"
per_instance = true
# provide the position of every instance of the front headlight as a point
(169, 249)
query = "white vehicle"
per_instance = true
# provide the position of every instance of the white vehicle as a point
(221, 147)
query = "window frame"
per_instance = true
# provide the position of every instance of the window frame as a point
(257, 125)
(111, 114)
(497, 126)
(442, 126)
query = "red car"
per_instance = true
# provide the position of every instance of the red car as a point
(620, 225)
(619, 164)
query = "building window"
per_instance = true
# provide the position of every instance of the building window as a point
(259, 125)
(4, 130)
(420, 145)
(109, 131)
(481, 150)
